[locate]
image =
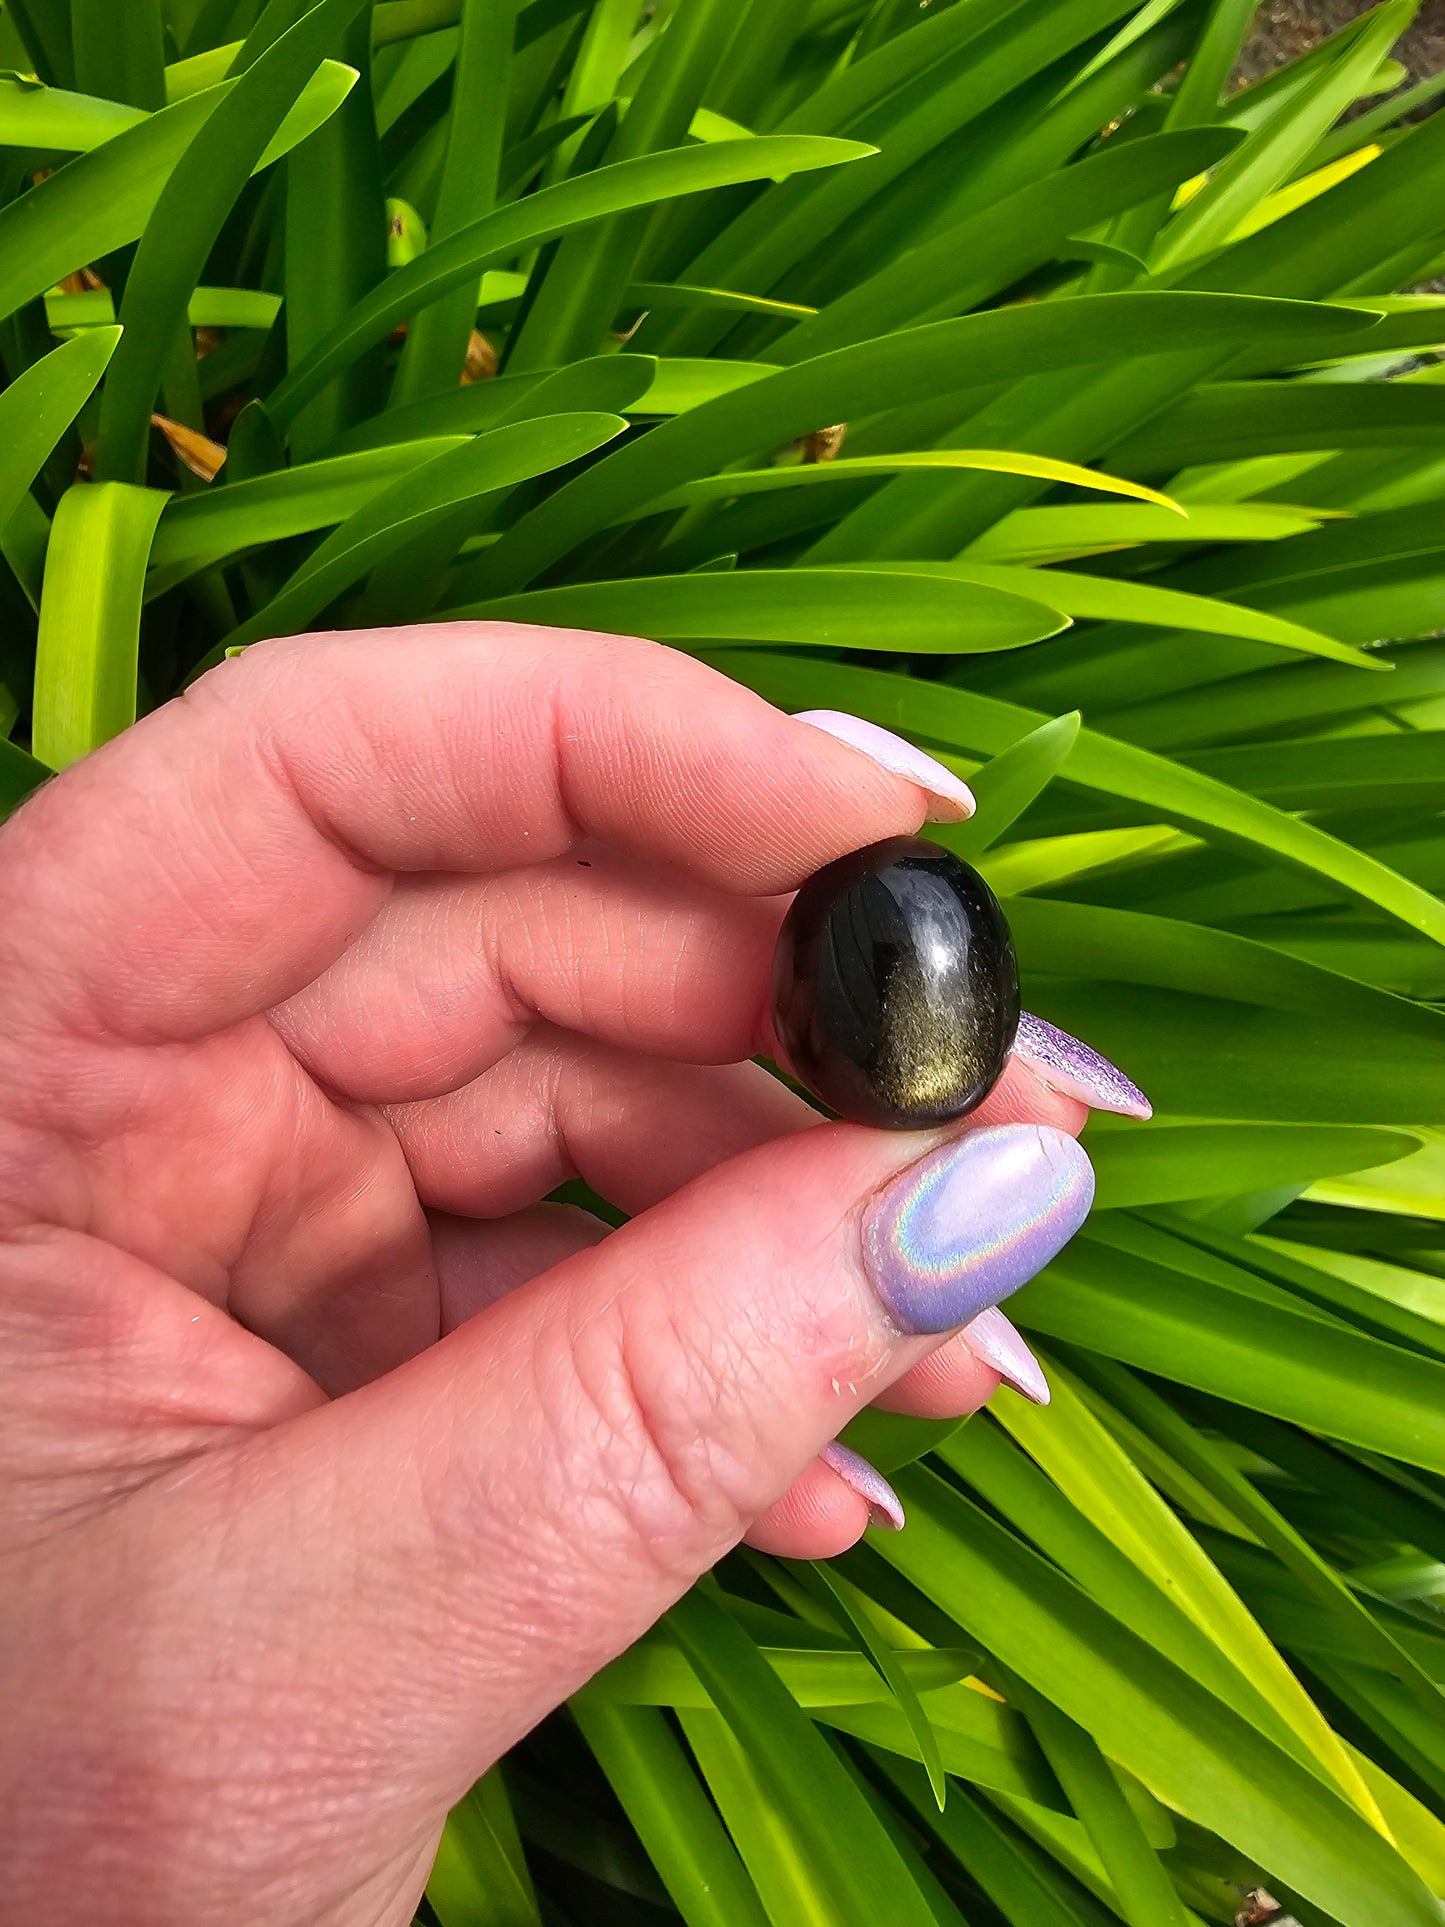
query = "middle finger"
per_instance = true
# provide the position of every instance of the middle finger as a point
(453, 971)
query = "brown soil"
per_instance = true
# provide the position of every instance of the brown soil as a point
(1284, 29)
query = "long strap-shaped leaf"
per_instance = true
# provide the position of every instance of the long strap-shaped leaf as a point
(764, 481)
(1105, 599)
(830, 608)
(1201, 1757)
(381, 525)
(542, 217)
(85, 668)
(188, 215)
(436, 346)
(1084, 1460)
(38, 407)
(103, 200)
(847, 1853)
(893, 371)
(675, 1819)
(1177, 795)
(19, 775)
(481, 1871)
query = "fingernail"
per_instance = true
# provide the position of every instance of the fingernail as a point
(884, 1506)
(973, 1221)
(1068, 1065)
(993, 1339)
(950, 799)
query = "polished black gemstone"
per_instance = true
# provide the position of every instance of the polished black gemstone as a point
(895, 987)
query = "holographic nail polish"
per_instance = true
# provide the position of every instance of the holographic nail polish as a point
(991, 1338)
(950, 798)
(973, 1221)
(1066, 1064)
(884, 1506)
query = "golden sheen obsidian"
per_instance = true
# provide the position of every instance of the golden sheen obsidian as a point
(895, 987)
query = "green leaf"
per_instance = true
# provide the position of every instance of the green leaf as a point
(1148, 1715)
(1049, 534)
(480, 1870)
(38, 407)
(1085, 1461)
(1364, 772)
(38, 116)
(85, 670)
(852, 1607)
(966, 264)
(825, 607)
(1273, 154)
(201, 528)
(1105, 600)
(225, 151)
(1008, 783)
(19, 775)
(845, 1855)
(100, 202)
(1006, 462)
(1170, 792)
(421, 497)
(334, 241)
(120, 50)
(1016, 1878)
(1172, 1161)
(609, 383)
(1146, 1895)
(1204, 1459)
(470, 183)
(1237, 420)
(655, 1673)
(1229, 1341)
(874, 375)
(542, 217)
(676, 1821)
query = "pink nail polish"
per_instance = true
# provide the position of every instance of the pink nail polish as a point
(997, 1343)
(1068, 1065)
(885, 1509)
(950, 799)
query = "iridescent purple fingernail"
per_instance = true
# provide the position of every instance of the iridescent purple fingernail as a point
(973, 1221)
(1068, 1065)
(993, 1339)
(884, 1506)
(950, 799)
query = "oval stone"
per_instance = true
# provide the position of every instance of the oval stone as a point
(895, 986)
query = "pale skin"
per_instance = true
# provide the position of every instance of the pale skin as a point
(331, 1458)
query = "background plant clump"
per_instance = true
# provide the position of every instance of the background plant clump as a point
(977, 366)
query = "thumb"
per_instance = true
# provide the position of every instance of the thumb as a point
(536, 1489)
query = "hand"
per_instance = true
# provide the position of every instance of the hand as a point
(331, 1459)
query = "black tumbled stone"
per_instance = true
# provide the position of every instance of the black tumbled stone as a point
(895, 987)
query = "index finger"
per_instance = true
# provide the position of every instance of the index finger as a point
(217, 857)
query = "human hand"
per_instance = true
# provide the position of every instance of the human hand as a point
(331, 1459)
